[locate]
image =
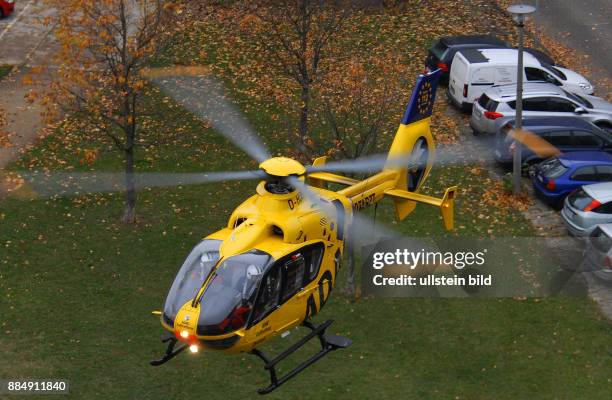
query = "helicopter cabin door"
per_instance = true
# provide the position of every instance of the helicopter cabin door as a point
(282, 296)
(292, 269)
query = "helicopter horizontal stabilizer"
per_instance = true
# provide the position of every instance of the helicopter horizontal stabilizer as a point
(446, 203)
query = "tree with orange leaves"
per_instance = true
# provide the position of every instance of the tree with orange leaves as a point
(359, 101)
(294, 36)
(104, 46)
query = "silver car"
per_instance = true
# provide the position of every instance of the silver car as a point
(496, 106)
(588, 207)
(598, 253)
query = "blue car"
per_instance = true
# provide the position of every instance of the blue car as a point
(567, 134)
(557, 177)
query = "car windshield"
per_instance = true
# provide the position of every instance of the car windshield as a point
(580, 199)
(487, 103)
(438, 50)
(578, 99)
(552, 168)
(556, 71)
(191, 276)
(228, 299)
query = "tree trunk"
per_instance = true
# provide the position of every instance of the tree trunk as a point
(350, 270)
(129, 213)
(303, 128)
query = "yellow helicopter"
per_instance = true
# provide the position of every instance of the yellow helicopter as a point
(275, 264)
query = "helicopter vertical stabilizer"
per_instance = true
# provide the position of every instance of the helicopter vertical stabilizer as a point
(412, 150)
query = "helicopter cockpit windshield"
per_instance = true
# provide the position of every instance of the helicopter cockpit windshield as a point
(228, 300)
(190, 277)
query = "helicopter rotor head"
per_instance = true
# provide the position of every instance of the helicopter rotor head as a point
(282, 167)
(279, 171)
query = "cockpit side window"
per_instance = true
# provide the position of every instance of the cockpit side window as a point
(313, 255)
(268, 294)
(287, 277)
(294, 275)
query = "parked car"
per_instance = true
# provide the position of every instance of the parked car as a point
(598, 253)
(556, 177)
(474, 71)
(588, 207)
(6, 8)
(497, 106)
(567, 134)
(441, 54)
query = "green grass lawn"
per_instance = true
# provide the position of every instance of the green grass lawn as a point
(77, 288)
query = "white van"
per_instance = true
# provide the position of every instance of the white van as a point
(474, 71)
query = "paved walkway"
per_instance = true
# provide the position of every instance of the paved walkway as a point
(25, 41)
(24, 120)
(24, 38)
(584, 25)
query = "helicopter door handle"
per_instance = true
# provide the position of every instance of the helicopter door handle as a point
(306, 292)
(287, 326)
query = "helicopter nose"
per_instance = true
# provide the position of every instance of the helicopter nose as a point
(185, 323)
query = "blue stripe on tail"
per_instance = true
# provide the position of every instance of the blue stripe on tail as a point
(422, 99)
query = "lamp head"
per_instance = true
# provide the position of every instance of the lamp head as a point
(520, 11)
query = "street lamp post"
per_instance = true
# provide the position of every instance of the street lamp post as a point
(519, 12)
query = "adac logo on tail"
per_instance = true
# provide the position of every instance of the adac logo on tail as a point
(422, 99)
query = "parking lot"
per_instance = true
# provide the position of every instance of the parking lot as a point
(24, 36)
(567, 250)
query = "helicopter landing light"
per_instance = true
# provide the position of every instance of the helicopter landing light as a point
(193, 348)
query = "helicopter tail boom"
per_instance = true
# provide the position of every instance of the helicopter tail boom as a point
(406, 166)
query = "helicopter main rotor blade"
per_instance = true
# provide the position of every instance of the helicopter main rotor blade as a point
(206, 97)
(367, 164)
(377, 162)
(49, 184)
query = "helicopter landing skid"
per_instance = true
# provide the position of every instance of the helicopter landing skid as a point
(328, 343)
(170, 352)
